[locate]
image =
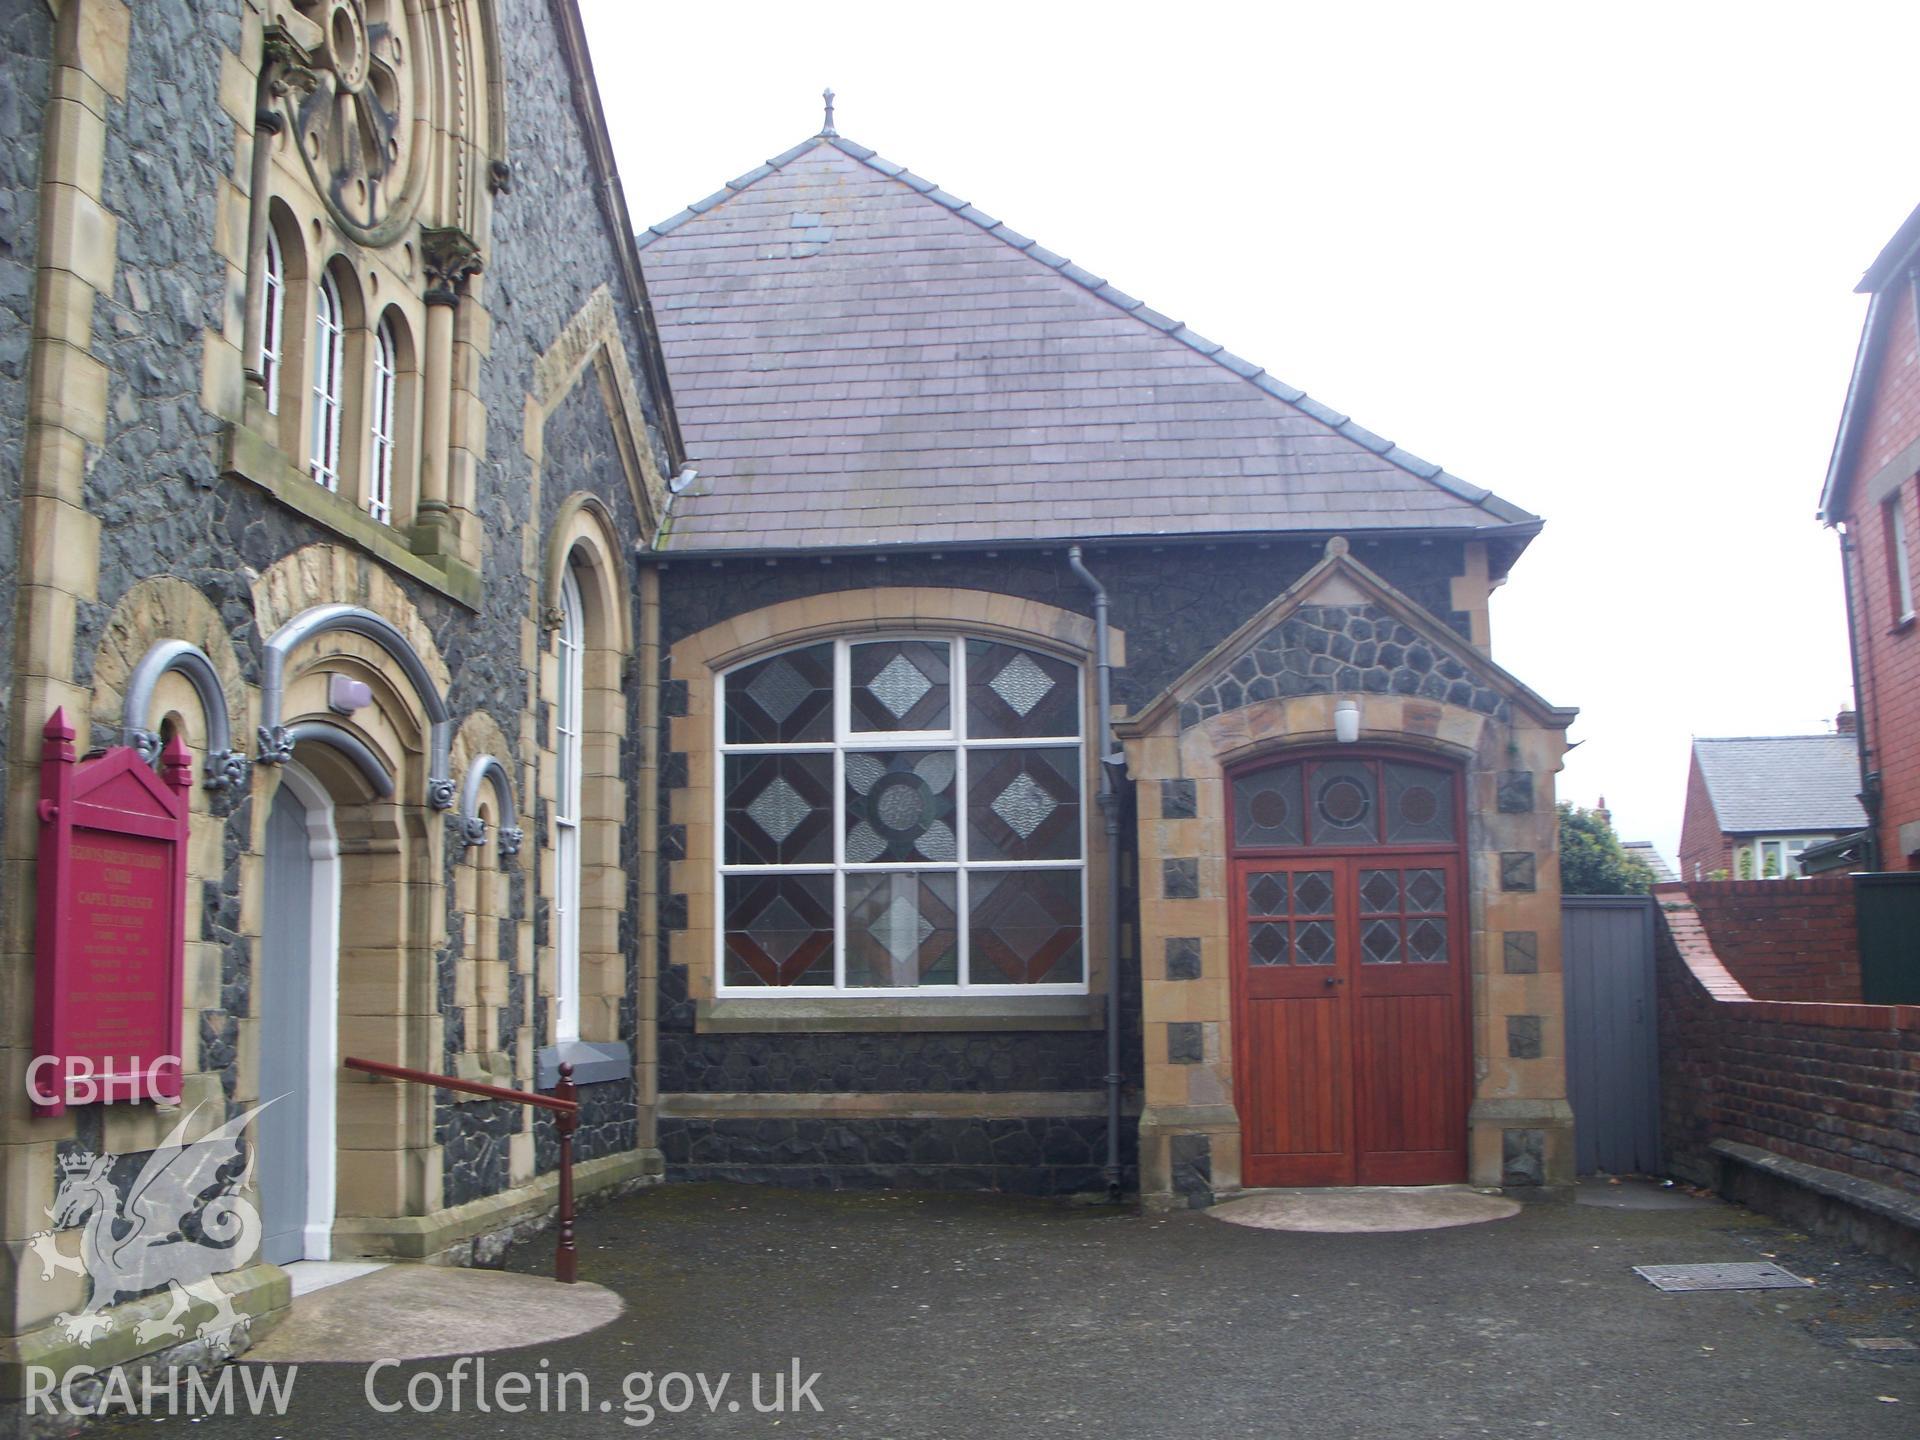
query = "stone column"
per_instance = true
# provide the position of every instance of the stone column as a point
(451, 257)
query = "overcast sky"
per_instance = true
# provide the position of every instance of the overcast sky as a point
(1598, 259)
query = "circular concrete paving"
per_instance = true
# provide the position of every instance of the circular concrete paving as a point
(1374, 1209)
(413, 1312)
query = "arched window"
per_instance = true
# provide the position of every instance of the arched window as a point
(386, 372)
(569, 648)
(902, 813)
(274, 300)
(329, 383)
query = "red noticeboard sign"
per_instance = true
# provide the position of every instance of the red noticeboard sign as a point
(111, 927)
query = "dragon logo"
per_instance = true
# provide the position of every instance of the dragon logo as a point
(181, 1222)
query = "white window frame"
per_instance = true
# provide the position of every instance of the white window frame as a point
(386, 386)
(329, 383)
(954, 739)
(273, 302)
(569, 650)
(1896, 513)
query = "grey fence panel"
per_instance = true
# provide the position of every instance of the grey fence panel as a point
(1613, 1055)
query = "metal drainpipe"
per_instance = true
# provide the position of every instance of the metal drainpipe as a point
(1869, 782)
(1110, 813)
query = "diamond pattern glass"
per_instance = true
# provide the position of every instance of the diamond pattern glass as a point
(842, 767)
(1419, 804)
(1313, 893)
(1313, 943)
(779, 809)
(784, 700)
(1015, 694)
(779, 930)
(1380, 942)
(899, 806)
(1267, 808)
(1267, 943)
(1024, 927)
(902, 930)
(1379, 892)
(900, 685)
(1427, 941)
(1266, 893)
(1426, 891)
(1023, 804)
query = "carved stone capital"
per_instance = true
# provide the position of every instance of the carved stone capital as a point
(440, 794)
(510, 838)
(451, 257)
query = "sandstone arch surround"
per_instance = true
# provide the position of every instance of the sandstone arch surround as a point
(1508, 745)
(698, 660)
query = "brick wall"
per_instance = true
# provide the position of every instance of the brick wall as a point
(1784, 939)
(1703, 848)
(1836, 1086)
(1889, 654)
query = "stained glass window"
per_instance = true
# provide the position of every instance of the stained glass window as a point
(903, 814)
(1403, 916)
(1341, 803)
(1290, 917)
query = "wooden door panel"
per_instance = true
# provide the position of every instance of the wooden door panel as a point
(1294, 1054)
(1351, 1049)
(1300, 1125)
(1410, 1097)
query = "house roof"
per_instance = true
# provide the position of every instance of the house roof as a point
(1782, 783)
(862, 359)
(1888, 267)
(1643, 851)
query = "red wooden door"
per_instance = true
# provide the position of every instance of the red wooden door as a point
(1349, 975)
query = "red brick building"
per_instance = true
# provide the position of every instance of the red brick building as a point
(1757, 803)
(1872, 496)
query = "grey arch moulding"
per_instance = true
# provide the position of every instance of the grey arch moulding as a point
(319, 732)
(473, 827)
(225, 768)
(277, 741)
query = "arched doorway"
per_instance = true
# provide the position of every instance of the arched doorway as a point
(298, 976)
(1348, 901)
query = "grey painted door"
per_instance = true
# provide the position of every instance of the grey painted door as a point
(285, 979)
(1613, 1052)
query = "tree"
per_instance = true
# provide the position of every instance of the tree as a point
(1592, 861)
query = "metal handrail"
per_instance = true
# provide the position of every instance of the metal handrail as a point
(565, 1104)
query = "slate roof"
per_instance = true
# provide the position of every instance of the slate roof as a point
(860, 358)
(1663, 873)
(1782, 783)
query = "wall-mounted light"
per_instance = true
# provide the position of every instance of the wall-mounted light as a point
(346, 695)
(1346, 721)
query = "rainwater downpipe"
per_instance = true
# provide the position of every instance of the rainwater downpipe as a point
(1109, 802)
(1869, 782)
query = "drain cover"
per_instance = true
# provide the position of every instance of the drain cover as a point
(1882, 1342)
(1755, 1275)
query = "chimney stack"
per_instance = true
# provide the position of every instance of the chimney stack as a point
(1846, 722)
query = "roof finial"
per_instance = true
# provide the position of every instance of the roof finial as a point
(827, 129)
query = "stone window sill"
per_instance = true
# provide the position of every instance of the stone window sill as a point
(594, 1062)
(1901, 626)
(741, 1016)
(251, 457)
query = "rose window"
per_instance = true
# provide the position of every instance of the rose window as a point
(357, 116)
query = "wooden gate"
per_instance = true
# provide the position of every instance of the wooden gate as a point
(1613, 1052)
